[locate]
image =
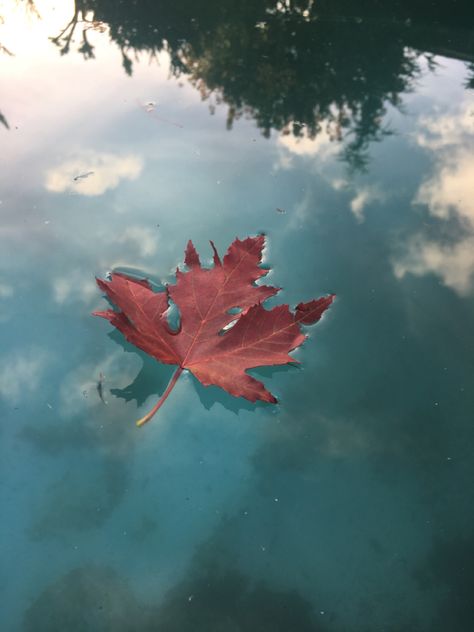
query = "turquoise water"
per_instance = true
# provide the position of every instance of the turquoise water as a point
(348, 139)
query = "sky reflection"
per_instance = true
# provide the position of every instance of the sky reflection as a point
(358, 167)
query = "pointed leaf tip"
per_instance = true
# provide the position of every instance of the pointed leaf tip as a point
(309, 313)
(191, 257)
(216, 258)
(205, 300)
(107, 313)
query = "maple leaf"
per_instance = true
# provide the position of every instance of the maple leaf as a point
(212, 341)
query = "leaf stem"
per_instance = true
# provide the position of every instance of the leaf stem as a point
(160, 402)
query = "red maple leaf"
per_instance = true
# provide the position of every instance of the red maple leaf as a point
(213, 342)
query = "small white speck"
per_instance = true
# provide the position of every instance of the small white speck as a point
(321, 612)
(449, 458)
(275, 499)
(191, 597)
(264, 548)
(47, 221)
(49, 405)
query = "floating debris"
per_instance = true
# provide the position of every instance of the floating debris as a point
(280, 210)
(150, 107)
(100, 387)
(83, 176)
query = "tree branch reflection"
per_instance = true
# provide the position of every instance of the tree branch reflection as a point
(296, 67)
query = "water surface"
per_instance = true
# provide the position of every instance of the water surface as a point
(347, 137)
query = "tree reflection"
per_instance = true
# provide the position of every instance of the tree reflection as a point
(470, 79)
(30, 8)
(294, 66)
(80, 18)
(4, 121)
(5, 51)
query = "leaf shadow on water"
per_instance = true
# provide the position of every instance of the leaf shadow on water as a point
(153, 378)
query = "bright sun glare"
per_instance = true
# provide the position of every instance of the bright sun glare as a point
(27, 25)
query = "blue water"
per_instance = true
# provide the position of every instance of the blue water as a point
(348, 140)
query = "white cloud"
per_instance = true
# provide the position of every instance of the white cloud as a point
(93, 173)
(144, 239)
(452, 187)
(78, 285)
(321, 145)
(438, 132)
(21, 373)
(5, 290)
(448, 194)
(338, 184)
(73, 287)
(364, 197)
(453, 264)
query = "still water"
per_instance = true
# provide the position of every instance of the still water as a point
(127, 128)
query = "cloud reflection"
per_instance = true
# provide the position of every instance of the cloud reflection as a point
(143, 239)
(5, 290)
(93, 173)
(448, 196)
(321, 147)
(22, 372)
(363, 198)
(73, 287)
(78, 390)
